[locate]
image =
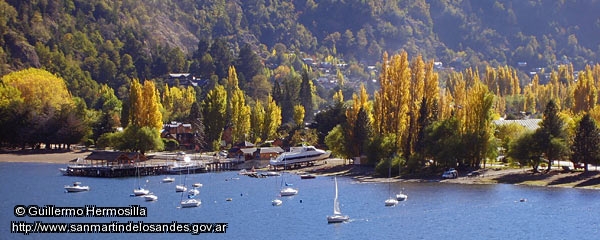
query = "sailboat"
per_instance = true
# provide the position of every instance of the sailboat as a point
(401, 196)
(276, 201)
(390, 201)
(190, 201)
(139, 191)
(337, 216)
(287, 190)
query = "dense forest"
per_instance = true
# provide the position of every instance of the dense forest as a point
(269, 68)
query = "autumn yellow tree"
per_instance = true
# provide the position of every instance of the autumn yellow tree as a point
(39, 88)
(299, 115)
(272, 119)
(585, 92)
(392, 101)
(151, 116)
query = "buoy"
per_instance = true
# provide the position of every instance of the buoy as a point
(300, 200)
(241, 194)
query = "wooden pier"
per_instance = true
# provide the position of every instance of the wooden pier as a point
(143, 170)
(116, 171)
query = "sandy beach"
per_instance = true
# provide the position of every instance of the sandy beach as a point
(42, 156)
(339, 167)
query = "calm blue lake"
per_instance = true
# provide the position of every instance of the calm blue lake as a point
(433, 210)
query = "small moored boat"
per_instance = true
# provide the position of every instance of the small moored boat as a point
(140, 191)
(180, 188)
(307, 176)
(150, 197)
(168, 180)
(76, 187)
(288, 191)
(189, 203)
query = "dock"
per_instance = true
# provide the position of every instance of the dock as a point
(131, 166)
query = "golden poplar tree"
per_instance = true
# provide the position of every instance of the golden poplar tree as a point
(136, 102)
(393, 99)
(151, 116)
(257, 122)
(272, 119)
(585, 92)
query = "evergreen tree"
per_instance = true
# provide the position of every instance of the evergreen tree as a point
(214, 109)
(586, 145)
(552, 135)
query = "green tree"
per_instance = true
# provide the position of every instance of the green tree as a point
(586, 145)
(306, 96)
(214, 111)
(135, 138)
(552, 135)
(526, 150)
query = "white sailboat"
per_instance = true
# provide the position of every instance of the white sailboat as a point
(190, 201)
(337, 216)
(139, 191)
(401, 196)
(276, 201)
(287, 190)
(390, 202)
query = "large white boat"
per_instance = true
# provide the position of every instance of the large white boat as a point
(300, 155)
(76, 187)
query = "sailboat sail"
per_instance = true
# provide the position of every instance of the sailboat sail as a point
(336, 203)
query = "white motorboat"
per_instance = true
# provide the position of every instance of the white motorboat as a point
(188, 203)
(168, 179)
(197, 185)
(337, 216)
(401, 196)
(300, 155)
(150, 197)
(390, 202)
(288, 191)
(180, 188)
(76, 187)
(140, 191)
(276, 202)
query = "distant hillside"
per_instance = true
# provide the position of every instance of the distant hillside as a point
(137, 38)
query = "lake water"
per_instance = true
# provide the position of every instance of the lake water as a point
(433, 210)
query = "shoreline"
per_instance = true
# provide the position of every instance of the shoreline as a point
(336, 167)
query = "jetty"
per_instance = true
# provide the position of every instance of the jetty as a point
(110, 164)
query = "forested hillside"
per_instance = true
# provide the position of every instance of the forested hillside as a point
(463, 33)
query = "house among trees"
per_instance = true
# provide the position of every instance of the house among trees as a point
(529, 124)
(184, 80)
(181, 132)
